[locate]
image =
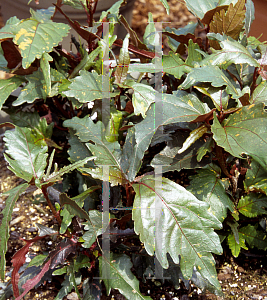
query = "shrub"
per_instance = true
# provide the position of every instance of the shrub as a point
(109, 141)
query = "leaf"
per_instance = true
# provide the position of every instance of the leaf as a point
(247, 124)
(7, 86)
(211, 74)
(121, 277)
(254, 237)
(88, 87)
(27, 155)
(172, 42)
(181, 107)
(193, 55)
(193, 137)
(259, 94)
(208, 17)
(123, 62)
(73, 207)
(10, 202)
(36, 87)
(256, 178)
(151, 36)
(252, 205)
(106, 153)
(45, 67)
(207, 186)
(171, 160)
(234, 227)
(230, 22)
(143, 96)
(174, 65)
(36, 36)
(166, 5)
(93, 228)
(114, 124)
(234, 246)
(232, 53)
(37, 260)
(181, 226)
(78, 4)
(250, 15)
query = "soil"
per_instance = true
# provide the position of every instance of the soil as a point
(242, 278)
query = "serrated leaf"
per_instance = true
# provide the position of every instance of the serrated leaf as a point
(256, 178)
(36, 87)
(232, 52)
(259, 94)
(123, 62)
(10, 202)
(121, 277)
(234, 246)
(212, 74)
(37, 260)
(250, 15)
(73, 207)
(35, 37)
(247, 124)
(93, 228)
(180, 227)
(26, 154)
(7, 86)
(207, 186)
(88, 87)
(254, 237)
(252, 205)
(174, 65)
(230, 22)
(106, 153)
(143, 96)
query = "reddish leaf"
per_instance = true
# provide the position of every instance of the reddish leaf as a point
(18, 260)
(129, 107)
(209, 14)
(184, 39)
(11, 53)
(206, 117)
(62, 251)
(32, 282)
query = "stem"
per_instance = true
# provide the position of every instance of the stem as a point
(44, 190)
(253, 86)
(221, 160)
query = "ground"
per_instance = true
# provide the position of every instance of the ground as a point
(242, 278)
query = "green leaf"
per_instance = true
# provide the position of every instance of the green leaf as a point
(193, 55)
(73, 207)
(27, 154)
(93, 228)
(143, 96)
(114, 124)
(212, 74)
(10, 202)
(35, 37)
(234, 246)
(254, 237)
(234, 227)
(252, 205)
(200, 7)
(151, 37)
(171, 160)
(259, 94)
(106, 153)
(7, 86)
(120, 276)
(256, 178)
(232, 53)
(88, 87)
(10, 28)
(123, 62)
(3, 61)
(174, 65)
(250, 15)
(203, 150)
(37, 260)
(181, 226)
(113, 10)
(247, 124)
(181, 107)
(45, 67)
(166, 5)
(207, 186)
(36, 87)
(78, 4)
